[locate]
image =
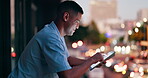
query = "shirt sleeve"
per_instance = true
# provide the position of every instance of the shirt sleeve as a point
(55, 55)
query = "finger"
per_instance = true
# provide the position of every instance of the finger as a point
(100, 56)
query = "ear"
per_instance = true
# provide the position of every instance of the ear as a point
(66, 16)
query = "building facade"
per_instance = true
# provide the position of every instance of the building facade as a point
(103, 9)
(143, 13)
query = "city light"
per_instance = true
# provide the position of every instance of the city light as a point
(119, 49)
(130, 32)
(141, 69)
(116, 48)
(134, 47)
(109, 62)
(141, 73)
(120, 68)
(13, 54)
(90, 53)
(114, 42)
(123, 49)
(12, 49)
(128, 49)
(136, 69)
(102, 48)
(122, 26)
(138, 24)
(74, 45)
(144, 19)
(136, 30)
(108, 35)
(80, 43)
(98, 50)
(132, 74)
(124, 72)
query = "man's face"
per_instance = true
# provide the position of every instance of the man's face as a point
(73, 25)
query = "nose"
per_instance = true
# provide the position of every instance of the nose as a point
(77, 23)
(77, 26)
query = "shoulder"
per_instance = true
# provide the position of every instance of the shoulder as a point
(48, 34)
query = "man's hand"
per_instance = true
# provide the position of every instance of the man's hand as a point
(97, 57)
(101, 64)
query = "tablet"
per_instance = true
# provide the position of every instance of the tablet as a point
(106, 57)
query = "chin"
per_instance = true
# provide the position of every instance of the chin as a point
(70, 34)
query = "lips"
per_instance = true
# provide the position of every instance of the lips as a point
(74, 30)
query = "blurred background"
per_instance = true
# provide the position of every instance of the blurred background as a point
(107, 25)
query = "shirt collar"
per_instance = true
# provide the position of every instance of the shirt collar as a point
(55, 27)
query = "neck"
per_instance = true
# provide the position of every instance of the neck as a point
(60, 26)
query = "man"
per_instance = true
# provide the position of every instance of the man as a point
(46, 55)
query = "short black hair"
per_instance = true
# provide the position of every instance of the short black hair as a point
(69, 6)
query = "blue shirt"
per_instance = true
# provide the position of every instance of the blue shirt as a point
(44, 56)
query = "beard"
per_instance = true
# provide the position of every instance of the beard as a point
(70, 30)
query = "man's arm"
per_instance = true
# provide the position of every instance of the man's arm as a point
(73, 61)
(81, 68)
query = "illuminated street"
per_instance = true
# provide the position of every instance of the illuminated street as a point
(111, 68)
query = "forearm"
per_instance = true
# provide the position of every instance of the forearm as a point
(73, 61)
(77, 71)
(80, 67)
